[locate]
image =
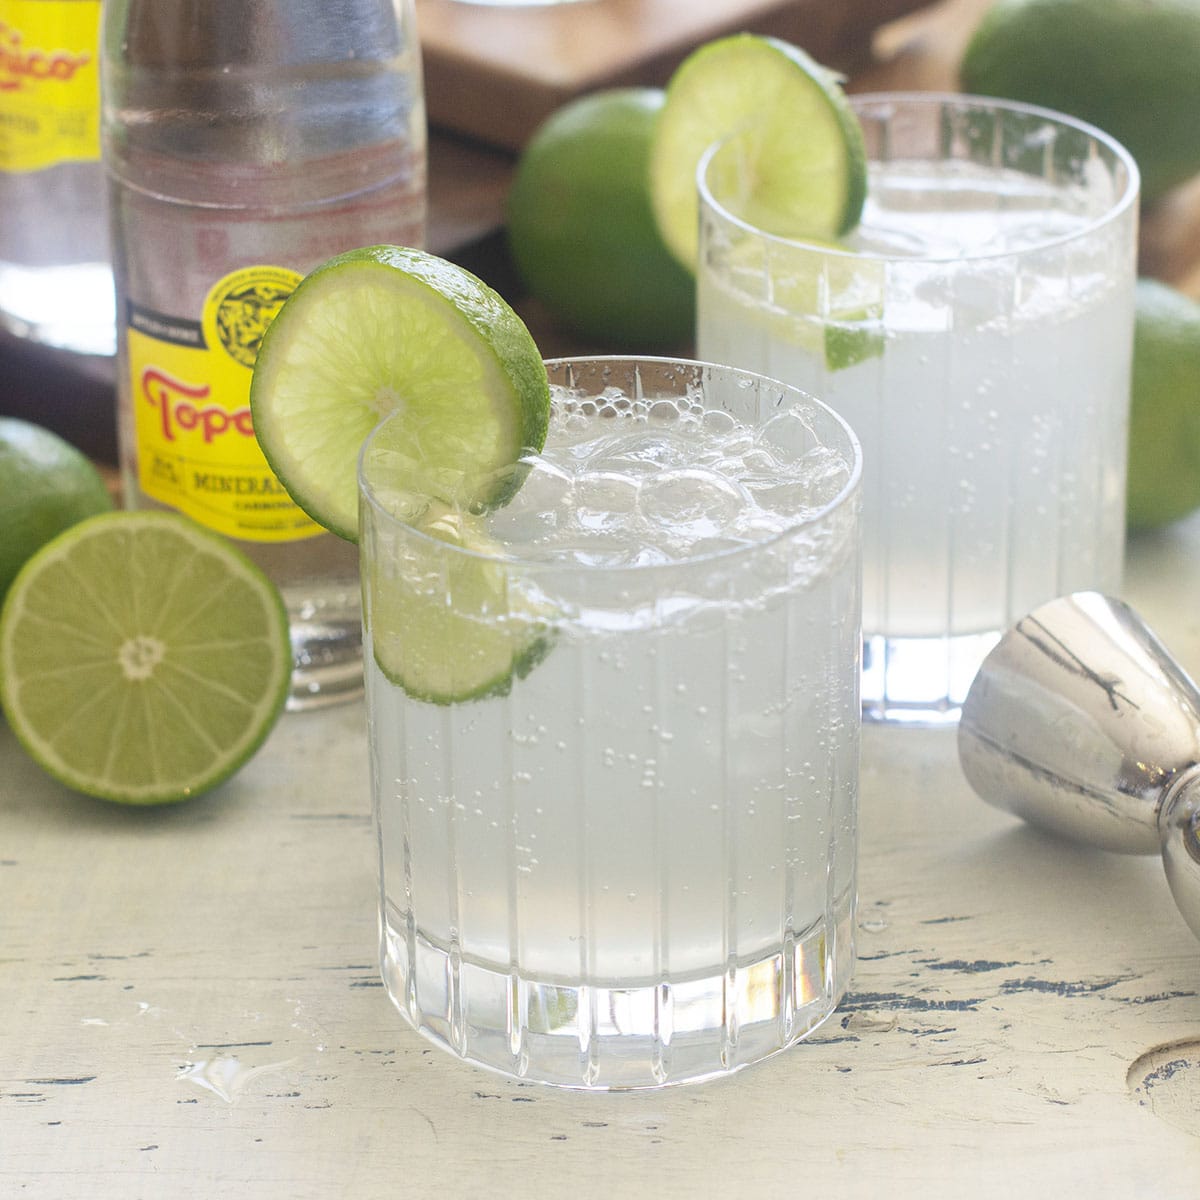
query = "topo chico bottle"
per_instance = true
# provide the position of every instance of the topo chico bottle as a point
(244, 144)
(55, 278)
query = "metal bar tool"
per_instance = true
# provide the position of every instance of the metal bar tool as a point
(1081, 722)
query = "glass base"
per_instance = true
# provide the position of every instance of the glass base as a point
(921, 681)
(326, 649)
(605, 1037)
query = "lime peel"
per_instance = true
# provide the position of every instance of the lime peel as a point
(580, 227)
(46, 485)
(1164, 421)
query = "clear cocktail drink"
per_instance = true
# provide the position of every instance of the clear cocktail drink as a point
(627, 857)
(976, 332)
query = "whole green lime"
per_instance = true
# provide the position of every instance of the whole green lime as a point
(581, 229)
(1130, 67)
(46, 484)
(1164, 429)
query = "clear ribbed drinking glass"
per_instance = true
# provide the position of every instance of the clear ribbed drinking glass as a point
(614, 732)
(976, 332)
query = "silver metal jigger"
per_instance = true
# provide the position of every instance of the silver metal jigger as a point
(1081, 722)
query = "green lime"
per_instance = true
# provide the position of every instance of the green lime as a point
(846, 345)
(1164, 421)
(143, 658)
(581, 230)
(388, 329)
(1126, 66)
(804, 162)
(447, 622)
(391, 332)
(46, 485)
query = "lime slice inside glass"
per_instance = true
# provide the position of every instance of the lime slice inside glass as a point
(449, 620)
(389, 332)
(805, 162)
(142, 658)
(815, 293)
(387, 329)
(829, 303)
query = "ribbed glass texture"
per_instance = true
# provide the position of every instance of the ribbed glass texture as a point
(976, 332)
(634, 864)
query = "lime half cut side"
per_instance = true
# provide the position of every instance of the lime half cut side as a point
(804, 159)
(142, 658)
(383, 330)
(449, 619)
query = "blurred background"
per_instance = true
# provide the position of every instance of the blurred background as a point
(492, 78)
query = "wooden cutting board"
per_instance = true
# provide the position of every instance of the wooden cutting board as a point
(494, 72)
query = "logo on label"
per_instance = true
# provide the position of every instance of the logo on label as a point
(49, 83)
(175, 402)
(240, 307)
(190, 381)
(20, 66)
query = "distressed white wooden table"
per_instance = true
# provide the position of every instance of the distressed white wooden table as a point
(189, 1006)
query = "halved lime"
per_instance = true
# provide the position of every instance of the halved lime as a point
(805, 160)
(142, 658)
(447, 621)
(389, 329)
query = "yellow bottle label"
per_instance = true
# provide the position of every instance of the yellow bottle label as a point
(190, 388)
(49, 83)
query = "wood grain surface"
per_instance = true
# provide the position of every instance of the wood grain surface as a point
(192, 1006)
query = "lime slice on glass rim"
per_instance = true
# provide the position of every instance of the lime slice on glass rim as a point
(804, 156)
(388, 329)
(396, 333)
(143, 659)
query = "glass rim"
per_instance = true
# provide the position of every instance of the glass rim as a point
(1120, 205)
(368, 493)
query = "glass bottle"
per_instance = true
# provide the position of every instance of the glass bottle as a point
(245, 143)
(55, 278)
